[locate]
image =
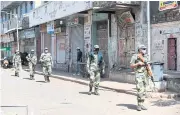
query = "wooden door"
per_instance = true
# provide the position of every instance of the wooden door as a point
(172, 61)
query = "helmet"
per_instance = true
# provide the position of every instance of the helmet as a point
(142, 47)
(32, 50)
(78, 48)
(45, 48)
(96, 46)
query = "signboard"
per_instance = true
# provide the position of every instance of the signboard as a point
(56, 10)
(165, 5)
(30, 33)
(5, 48)
(87, 39)
(50, 27)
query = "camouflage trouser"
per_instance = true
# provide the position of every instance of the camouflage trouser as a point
(141, 87)
(47, 70)
(94, 79)
(32, 69)
(17, 67)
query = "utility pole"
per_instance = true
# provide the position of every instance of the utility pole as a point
(149, 32)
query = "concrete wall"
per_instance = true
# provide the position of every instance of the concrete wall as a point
(112, 42)
(160, 34)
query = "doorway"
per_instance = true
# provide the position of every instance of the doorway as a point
(172, 54)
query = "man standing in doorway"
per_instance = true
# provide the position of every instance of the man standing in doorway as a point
(32, 59)
(17, 62)
(139, 67)
(95, 64)
(47, 62)
(79, 60)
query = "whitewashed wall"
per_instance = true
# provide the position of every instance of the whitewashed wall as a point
(55, 10)
(159, 41)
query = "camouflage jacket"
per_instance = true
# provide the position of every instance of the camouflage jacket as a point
(16, 58)
(135, 59)
(46, 59)
(95, 62)
(32, 59)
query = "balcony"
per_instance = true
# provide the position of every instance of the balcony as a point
(8, 5)
(10, 25)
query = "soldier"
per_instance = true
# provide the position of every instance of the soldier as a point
(47, 62)
(79, 60)
(95, 64)
(32, 59)
(141, 75)
(17, 62)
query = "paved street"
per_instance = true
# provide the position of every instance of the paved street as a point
(68, 98)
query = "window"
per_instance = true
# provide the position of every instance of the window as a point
(26, 7)
(16, 10)
(21, 11)
(13, 14)
(31, 5)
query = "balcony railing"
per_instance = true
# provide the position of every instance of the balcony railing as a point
(8, 5)
(10, 25)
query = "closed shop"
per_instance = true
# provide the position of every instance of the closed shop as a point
(28, 40)
(76, 36)
(77, 40)
(60, 48)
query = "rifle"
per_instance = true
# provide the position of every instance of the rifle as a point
(148, 68)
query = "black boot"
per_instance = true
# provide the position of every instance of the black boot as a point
(17, 74)
(33, 77)
(90, 90)
(96, 91)
(45, 77)
(30, 77)
(48, 80)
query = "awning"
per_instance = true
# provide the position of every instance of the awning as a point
(115, 7)
(14, 29)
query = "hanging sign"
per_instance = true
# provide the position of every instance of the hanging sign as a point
(165, 5)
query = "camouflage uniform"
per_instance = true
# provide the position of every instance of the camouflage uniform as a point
(46, 61)
(140, 78)
(32, 59)
(17, 62)
(95, 64)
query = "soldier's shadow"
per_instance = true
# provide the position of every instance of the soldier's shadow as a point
(41, 81)
(85, 93)
(27, 78)
(129, 106)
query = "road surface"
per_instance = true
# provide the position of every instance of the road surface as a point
(68, 98)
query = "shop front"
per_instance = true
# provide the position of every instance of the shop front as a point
(27, 40)
(76, 36)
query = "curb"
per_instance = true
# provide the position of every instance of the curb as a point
(150, 95)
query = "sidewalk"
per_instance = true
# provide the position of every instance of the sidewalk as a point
(105, 83)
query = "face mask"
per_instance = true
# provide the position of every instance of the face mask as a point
(144, 51)
(46, 51)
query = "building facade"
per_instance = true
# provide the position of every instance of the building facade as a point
(9, 11)
(165, 34)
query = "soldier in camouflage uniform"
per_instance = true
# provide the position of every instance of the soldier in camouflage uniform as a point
(47, 62)
(32, 59)
(95, 64)
(17, 62)
(141, 75)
